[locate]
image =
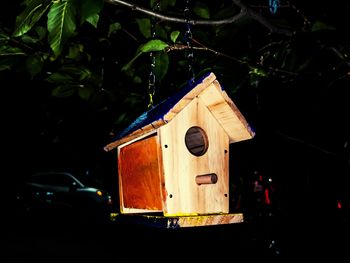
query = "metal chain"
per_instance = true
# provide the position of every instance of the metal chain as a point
(152, 75)
(273, 6)
(188, 39)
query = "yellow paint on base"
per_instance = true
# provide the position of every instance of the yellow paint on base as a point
(182, 220)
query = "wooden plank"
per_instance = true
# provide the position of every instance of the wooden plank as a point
(180, 168)
(189, 97)
(139, 176)
(204, 220)
(168, 116)
(136, 134)
(159, 221)
(226, 113)
(217, 101)
(138, 138)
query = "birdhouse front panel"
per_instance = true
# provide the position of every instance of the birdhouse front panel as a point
(195, 154)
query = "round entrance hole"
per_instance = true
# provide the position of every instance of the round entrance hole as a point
(196, 141)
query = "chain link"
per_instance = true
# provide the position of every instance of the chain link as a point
(152, 75)
(273, 6)
(188, 39)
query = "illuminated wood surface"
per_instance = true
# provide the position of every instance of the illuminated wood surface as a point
(179, 221)
(184, 195)
(139, 176)
(214, 98)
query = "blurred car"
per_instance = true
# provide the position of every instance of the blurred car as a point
(62, 195)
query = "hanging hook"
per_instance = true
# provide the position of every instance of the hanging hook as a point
(152, 75)
(188, 38)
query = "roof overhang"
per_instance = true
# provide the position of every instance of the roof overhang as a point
(210, 92)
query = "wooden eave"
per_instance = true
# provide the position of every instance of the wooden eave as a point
(210, 92)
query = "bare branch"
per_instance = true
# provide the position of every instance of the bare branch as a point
(146, 11)
(256, 16)
(245, 11)
(204, 48)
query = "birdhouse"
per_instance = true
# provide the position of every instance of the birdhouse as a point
(174, 158)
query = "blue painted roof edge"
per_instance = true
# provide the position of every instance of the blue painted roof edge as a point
(160, 110)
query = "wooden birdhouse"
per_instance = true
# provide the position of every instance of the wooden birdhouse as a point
(174, 158)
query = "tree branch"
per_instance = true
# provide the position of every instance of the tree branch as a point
(254, 15)
(204, 48)
(179, 19)
(175, 47)
(245, 11)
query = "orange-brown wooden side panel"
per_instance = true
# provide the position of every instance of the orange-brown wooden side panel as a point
(139, 176)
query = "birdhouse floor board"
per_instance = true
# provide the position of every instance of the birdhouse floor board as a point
(160, 221)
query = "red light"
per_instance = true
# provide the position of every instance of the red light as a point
(339, 204)
(267, 197)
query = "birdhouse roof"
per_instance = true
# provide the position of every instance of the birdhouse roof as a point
(213, 96)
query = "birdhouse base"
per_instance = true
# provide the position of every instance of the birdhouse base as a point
(161, 221)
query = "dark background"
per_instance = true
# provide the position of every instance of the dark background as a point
(301, 144)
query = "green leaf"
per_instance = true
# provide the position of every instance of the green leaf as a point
(305, 65)
(318, 25)
(174, 35)
(76, 72)
(162, 64)
(258, 72)
(84, 74)
(59, 78)
(11, 51)
(34, 65)
(10, 57)
(201, 10)
(150, 46)
(89, 9)
(144, 26)
(5, 65)
(31, 14)
(93, 20)
(137, 80)
(29, 39)
(113, 28)
(4, 38)
(60, 24)
(85, 92)
(63, 91)
(127, 67)
(153, 45)
(75, 51)
(41, 32)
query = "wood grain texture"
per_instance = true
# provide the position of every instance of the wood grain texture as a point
(183, 195)
(139, 176)
(134, 135)
(189, 97)
(213, 97)
(204, 220)
(179, 221)
(226, 113)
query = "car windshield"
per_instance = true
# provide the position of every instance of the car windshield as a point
(59, 179)
(64, 179)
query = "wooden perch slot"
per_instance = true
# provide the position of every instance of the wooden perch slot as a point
(206, 179)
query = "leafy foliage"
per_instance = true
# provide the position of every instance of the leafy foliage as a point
(34, 10)
(97, 53)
